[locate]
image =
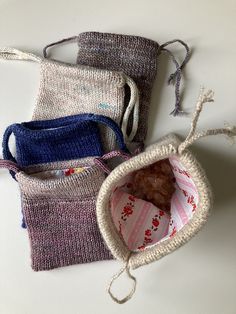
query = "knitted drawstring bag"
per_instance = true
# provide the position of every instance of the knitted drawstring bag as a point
(67, 89)
(59, 206)
(137, 232)
(60, 139)
(135, 56)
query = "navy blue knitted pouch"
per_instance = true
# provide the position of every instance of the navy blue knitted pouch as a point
(60, 139)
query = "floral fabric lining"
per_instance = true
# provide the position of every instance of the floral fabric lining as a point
(140, 223)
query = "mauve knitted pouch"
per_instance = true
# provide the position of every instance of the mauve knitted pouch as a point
(60, 214)
(134, 55)
(59, 139)
(67, 89)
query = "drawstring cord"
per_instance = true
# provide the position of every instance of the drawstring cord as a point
(133, 105)
(125, 268)
(205, 97)
(7, 53)
(175, 78)
(62, 41)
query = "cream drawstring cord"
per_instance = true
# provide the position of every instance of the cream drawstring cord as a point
(133, 105)
(7, 53)
(125, 268)
(205, 97)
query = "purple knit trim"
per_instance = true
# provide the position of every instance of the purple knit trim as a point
(9, 165)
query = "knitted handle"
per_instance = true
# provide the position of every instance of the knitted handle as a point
(100, 161)
(6, 164)
(57, 123)
(7, 53)
(112, 125)
(133, 105)
(5, 144)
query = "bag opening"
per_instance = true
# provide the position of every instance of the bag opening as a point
(140, 223)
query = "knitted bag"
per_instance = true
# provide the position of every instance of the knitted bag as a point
(135, 56)
(147, 233)
(67, 89)
(60, 139)
(59, 206)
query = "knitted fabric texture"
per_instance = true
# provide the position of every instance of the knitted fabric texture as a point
(134, 55)
(60, 214)
(59, 139)
(67, 89)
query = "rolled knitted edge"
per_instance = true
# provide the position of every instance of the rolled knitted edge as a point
(142, 45)
(167, 147)
(86, 181)
(87, 73)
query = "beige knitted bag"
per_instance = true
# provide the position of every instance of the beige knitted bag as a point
(67, 89)
(190, 203)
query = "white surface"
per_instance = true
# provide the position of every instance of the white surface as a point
(200, 278)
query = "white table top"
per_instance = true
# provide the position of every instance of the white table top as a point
(199, 278)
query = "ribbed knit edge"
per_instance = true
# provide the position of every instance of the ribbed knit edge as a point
(60, 188)
(82, 72)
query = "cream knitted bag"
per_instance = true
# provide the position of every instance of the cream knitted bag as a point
(67, 89)
(161, 233)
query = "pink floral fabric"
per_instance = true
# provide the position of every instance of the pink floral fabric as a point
(142, 224)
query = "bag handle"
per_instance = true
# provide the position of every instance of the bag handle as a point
(132, 106)
(7, 164)
(62, 41)
(108, 122)
(5, 144)
(100, 161)
(8, 53)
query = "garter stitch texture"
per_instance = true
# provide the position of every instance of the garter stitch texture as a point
(60, 214)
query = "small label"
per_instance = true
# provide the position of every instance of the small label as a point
(103, 105)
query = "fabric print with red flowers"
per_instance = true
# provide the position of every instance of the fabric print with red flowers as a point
(174, 229)
(149, 232)
(173, 232)
(190, 200)
(180, 171)
(128, 208)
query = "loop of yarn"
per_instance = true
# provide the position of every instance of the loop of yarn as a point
(132, 106)
(126, 269)
(62, 41)
(7, 53)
